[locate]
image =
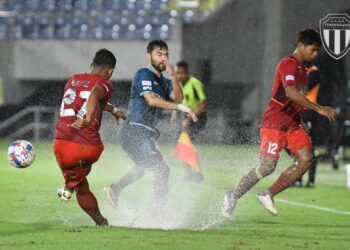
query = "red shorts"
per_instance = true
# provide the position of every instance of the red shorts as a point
(75, 160)
(272, 141)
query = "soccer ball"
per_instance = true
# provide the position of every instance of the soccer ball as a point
(65, 193)
(21, 154)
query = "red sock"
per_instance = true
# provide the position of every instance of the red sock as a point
(281, 184)
(88, 202)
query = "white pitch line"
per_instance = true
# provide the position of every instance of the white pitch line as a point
(326, 209)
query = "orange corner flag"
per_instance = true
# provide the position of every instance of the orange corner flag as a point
(313, 93)
(186, 152)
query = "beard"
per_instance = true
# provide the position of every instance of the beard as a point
(160, 67)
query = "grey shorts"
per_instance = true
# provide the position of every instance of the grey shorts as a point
(140, 144)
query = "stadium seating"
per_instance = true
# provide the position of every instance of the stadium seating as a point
(90, 19)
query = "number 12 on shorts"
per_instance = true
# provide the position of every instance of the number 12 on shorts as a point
(272, 148)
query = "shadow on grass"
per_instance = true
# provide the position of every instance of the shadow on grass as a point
(17, 228)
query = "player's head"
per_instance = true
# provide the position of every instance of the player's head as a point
(103, 63)
(182, 71)
(308, 44)
(157, 53)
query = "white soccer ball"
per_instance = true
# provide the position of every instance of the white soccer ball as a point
(21, 154)
(64, 193)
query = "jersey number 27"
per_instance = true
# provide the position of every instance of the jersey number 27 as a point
(69, 97)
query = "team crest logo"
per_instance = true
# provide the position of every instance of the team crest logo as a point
(335, 34)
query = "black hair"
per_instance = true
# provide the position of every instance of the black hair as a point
(104, 58)
(309, 37)
(154, 44)
(183, 64)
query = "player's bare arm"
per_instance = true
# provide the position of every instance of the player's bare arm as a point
(117, 113)
(177, 94)
(200, 109)
(153, 101)
(97, 93)
(293, 94)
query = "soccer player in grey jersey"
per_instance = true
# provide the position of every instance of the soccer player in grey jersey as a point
(150, 93)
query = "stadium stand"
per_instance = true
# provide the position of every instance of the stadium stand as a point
(91, 19)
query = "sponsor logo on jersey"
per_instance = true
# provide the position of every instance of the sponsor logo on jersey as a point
(335, 34)
(146, 83)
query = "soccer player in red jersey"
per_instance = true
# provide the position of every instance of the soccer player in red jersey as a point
(77, 142)
(282, 127)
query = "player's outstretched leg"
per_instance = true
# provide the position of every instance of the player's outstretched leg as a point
(113, 191)
(267, 166)
(228, 205)
(312, 172)
(286, 179)
(161, 173)
(266, 200)
(88, 203)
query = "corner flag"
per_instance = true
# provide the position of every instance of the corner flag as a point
(186, 152)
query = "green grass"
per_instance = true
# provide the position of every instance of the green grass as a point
(32, 217)
(1, 92)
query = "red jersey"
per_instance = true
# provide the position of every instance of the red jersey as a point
(73, 106)
(282, 113)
